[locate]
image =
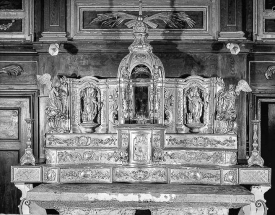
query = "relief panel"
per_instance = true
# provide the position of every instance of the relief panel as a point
(50, 174)
(149, 175)
(195, 176)
(199, 157)
(88, 175)
(140, 145)
(26, 174)
(201, 141)
(84, 140)
(254, 175)
(230, 176)
(80, 156)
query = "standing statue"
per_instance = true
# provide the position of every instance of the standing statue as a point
(90, 105)
(195, 105)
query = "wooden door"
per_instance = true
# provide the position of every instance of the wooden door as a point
(13, 135)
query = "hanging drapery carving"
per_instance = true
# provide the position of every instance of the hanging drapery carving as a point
(57, 110)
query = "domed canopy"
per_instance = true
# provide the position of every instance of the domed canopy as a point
(140, 54)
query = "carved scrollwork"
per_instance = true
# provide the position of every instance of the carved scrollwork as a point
(152, 174)
(194, 175)
(83, 141)
(200, 142)
(91, 175)
(197, 157)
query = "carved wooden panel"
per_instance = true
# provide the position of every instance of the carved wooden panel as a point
(203, 13)
(28, 72)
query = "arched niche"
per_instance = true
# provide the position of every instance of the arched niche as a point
(141, 93)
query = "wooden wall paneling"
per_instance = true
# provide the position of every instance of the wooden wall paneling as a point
(10, 195)
(54, 21)
(12, 145)
(27, 78)
(231, 20)
(17, 22)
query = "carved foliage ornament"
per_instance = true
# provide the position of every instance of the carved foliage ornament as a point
(12, 70)
(83, 141)
(195, 176)
(200, 142)
(172, 19)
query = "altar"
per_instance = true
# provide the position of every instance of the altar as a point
(142, 141)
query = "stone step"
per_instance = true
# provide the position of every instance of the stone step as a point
(87, 197)
(171, 174)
